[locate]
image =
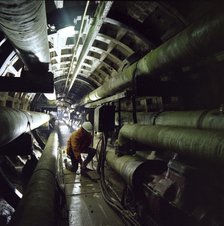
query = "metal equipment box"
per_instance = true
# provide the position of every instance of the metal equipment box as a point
(104, 117)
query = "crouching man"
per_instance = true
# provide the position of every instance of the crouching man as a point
(79, 142)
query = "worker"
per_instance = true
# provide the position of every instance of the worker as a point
(79, 142)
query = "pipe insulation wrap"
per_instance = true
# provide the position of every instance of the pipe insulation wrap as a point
(35, 118)
(204, 119)
(37, 205)
(15, 122)
(199, 40)
(134, 169)
(199, 144)
(24, 24)
(125, 165)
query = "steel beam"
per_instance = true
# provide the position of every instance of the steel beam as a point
(183, 49)
(101, 13)
(16, 122)
(38, 139)
(24, 24)
(77, 44)
(37, 205)
(197, 144)
(9, 192)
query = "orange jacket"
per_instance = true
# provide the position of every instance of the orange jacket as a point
(78, 142)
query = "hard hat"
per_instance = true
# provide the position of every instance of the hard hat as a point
(87, 126)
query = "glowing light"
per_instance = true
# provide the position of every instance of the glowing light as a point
(59, 4)
(50, 96)
(67, 31)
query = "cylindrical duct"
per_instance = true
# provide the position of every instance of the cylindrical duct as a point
(37, 205)
(212, 119)
(36, 119)
(133, 169)
(201, 39)
(16, 122)
(125, 165)
(24, 24)
(199, 144)
(204, 119)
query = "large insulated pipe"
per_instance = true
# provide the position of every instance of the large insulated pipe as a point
(200, 144)
(201, 39)
(133, 169)
(24, 24)
(37, 205)
(204, 119)
(16, 122)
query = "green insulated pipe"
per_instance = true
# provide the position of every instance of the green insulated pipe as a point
(133, 169)
(24, 23)
(198, 144)
(37, 207)
(204, 119)
(15, 122)
(201, 39)
(125, 165)
(213, 119)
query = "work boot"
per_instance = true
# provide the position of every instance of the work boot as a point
(71, 167)
(66, 163)
(84, 170)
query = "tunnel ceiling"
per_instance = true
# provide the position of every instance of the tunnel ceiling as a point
(86, 51)
(107, 54)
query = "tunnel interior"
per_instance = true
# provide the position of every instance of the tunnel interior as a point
(147, 74)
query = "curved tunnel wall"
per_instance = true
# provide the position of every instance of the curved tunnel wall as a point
(183, 49)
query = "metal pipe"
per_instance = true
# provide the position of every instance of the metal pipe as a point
(125, 165)
(37, 205)
(183, 49)
(199, 144)
(204, 119)
(24, 24)
(15, 122)
(207, 119)
(133, 169)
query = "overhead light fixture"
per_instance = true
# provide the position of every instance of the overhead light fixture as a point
(67, 31)
(59, 4)
(50, 96)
